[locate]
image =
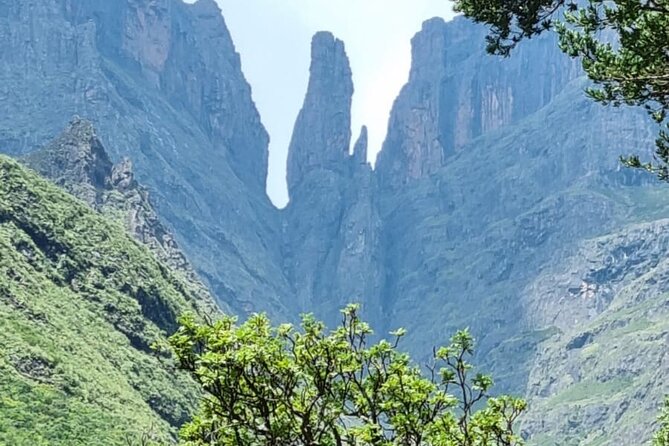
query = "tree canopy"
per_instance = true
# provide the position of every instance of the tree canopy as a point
(285, 386)
(662, 435)
(623, 46)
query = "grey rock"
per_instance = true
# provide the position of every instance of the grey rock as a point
(456, 92)
(622, 314)
(322, 134)
(122, 177)
(496, 203)
(77, 161)
(360, 148)
(162, 83)
(331, 227)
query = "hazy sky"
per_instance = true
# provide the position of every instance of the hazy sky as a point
(274, 37)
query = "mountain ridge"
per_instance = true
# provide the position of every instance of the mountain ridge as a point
(162, 84)
(77, 162)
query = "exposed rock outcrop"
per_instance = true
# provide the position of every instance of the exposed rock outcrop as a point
(162, 83)
(456, 92)
(360, 148)
(331, 224)
(322, 135)
(77, 162)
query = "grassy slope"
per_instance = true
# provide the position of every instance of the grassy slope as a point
(80, 303)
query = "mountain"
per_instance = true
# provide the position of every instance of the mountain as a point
(331, 225)
(497, 201)
(600, 379)
(162, 84)
(77, 161)
(82, 302)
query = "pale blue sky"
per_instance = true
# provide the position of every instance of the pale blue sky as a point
(274, 36)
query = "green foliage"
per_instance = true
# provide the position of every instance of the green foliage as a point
(662, 435)
(285, 386)
(80, 305)
(623, 46)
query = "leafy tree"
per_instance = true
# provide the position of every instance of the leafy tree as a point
(623, 46)
(284, 386)
(662, 436)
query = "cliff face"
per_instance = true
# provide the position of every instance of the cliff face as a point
(602, 374)
(496, 177)
(162, 83)
(330, 226)
(186, 53)
(456, 93)
(322, 134)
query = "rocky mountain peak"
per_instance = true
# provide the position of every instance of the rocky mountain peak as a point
(330, 67)
(428, 49)
(78, 162)
(207, 6)
(360, 147)
(76, 156)
(457, 92)
(322, 133)
(414, 146)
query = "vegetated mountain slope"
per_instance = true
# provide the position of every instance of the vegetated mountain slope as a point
(80, 305)
(162, 83)
(78, 162)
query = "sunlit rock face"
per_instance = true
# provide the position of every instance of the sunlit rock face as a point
(322, 134)
(331, 227)
(162, 83)
(456, 92)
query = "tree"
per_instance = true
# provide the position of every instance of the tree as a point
(623, 46)
(283, 386)
(662, 435)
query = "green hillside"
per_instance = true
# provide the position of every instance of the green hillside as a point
(80, 305)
